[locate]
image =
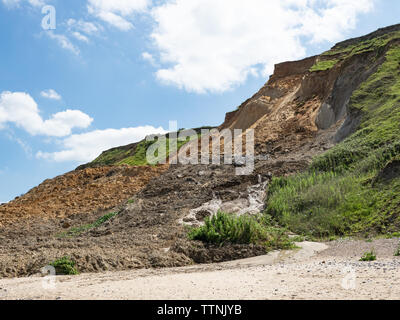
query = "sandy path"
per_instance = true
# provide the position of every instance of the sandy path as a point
(313, 272)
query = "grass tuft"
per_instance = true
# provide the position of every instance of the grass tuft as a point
(76, 231)
(225, 228)
(368, 256)
(323, 65)
(65, 266)
(397, 252)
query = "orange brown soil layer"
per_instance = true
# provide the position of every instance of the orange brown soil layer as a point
(82, 191)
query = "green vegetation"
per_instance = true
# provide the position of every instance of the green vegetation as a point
(340, 193)
(76, 231)
(370, 45)
(136, 156)
(341, 53)
(139, 158)
(224, 228)
(108, 158)
(368, 256)
(65, 266)
(323, 65)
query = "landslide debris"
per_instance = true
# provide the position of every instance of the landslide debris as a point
(79, 192)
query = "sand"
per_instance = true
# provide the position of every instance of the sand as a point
(316, 271)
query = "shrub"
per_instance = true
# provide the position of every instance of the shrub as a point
(65, 266)
(397, 252)
(368, 256)
(225, 228)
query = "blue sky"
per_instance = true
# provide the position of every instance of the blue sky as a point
(114, 71)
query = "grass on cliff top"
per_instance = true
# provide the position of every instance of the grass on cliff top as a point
(120, 156)
(77, 231)
(342, 53)
(340, 193)
(224, 228)
(139, 158)
(108, 158)
(370, 45)
(324, 65)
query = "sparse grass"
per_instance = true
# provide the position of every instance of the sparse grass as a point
(130, 201)
(339, 194)
(65, 266)
(140, 159)
(108, 158)
(375, 45)
(136, 156)
(225, 228)
(76, 231)
(371, 45)
(369, 256)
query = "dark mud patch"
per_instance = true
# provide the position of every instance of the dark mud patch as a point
(390, 172)
(206, 253)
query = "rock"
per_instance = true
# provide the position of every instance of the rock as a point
(66, 225)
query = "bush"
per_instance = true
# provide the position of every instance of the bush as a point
(225, 228)
(397, 252)
(65, 266)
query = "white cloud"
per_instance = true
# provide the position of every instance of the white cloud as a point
(87, 146)
(50, 94)
(83, 26)
(79, 36)
(212, 46)
(16, 3)
(25, 146)
(149, 58)
(117, 12)
(81, 30)
(63, 42)
(20, 109)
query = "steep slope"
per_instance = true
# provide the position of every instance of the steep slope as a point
(343, 191)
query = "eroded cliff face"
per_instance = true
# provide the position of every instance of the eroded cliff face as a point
(303, 109)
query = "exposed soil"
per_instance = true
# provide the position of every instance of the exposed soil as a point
(390, 172)
(82, 191)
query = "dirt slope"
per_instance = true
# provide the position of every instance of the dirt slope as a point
(82, 191)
